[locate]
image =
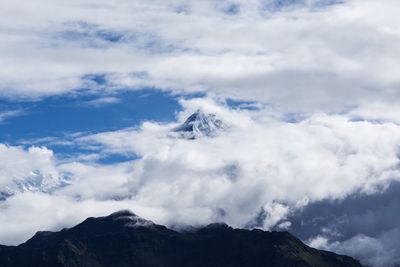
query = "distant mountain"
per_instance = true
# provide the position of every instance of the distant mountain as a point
(124, 239)
(200, 124)
(34, 182)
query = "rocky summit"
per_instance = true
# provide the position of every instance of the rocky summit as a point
(201, 124)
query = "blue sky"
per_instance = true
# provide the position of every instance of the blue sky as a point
(67, 114)
(44, 121)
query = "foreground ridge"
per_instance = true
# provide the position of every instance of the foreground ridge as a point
(124, 239)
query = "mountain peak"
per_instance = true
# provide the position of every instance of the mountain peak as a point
(35, 181)
(201, 124)
(122, 213)
(129, 219)
(101, 241)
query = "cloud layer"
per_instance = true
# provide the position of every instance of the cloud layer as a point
(365, 226)
(261, 172)
(300, 55)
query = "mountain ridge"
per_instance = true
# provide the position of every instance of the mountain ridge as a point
(36, 181)
(124, 239)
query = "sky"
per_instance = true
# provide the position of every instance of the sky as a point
(91, 92)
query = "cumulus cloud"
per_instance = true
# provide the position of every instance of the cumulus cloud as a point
(32, 169)
(263, 171)
(301, 55)
(324, 156)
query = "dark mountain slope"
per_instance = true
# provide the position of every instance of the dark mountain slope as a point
(124, 239)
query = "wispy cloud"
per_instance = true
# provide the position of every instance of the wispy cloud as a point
(5, 115)
(103, 101)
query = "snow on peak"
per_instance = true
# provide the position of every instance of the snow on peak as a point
(130, 219)
(36, 181)
(200, 124)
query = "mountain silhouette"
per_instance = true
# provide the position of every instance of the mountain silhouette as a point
(124, 239)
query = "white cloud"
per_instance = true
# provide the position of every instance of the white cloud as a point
(378, 252)
(365, 226)
(24, 214)
(103, 101)
(96, 181)
(22, 169)
(257, 173)
(306, 58)
(265, 159)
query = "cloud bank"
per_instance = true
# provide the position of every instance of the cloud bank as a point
(301, 55)
(260, 172)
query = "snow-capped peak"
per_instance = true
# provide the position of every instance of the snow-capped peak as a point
(36, 181)
(200, 124)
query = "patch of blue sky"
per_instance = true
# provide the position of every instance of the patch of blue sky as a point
(96, 155)
(92, 35)
(287, 5)
(55, 122)
(359, 118)
(99, 79)
(115, 158)
(240, 104)
(113, 37)
(104, 35)
(325, 3)
(231, 9)
(253, 105)
(93, 83)
(279, 5)
(294, 117)
(68, 114)
(152, 43)
(182, 9)
(89, 34)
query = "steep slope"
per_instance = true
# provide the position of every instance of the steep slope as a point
(200, 124)
(124, 239)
